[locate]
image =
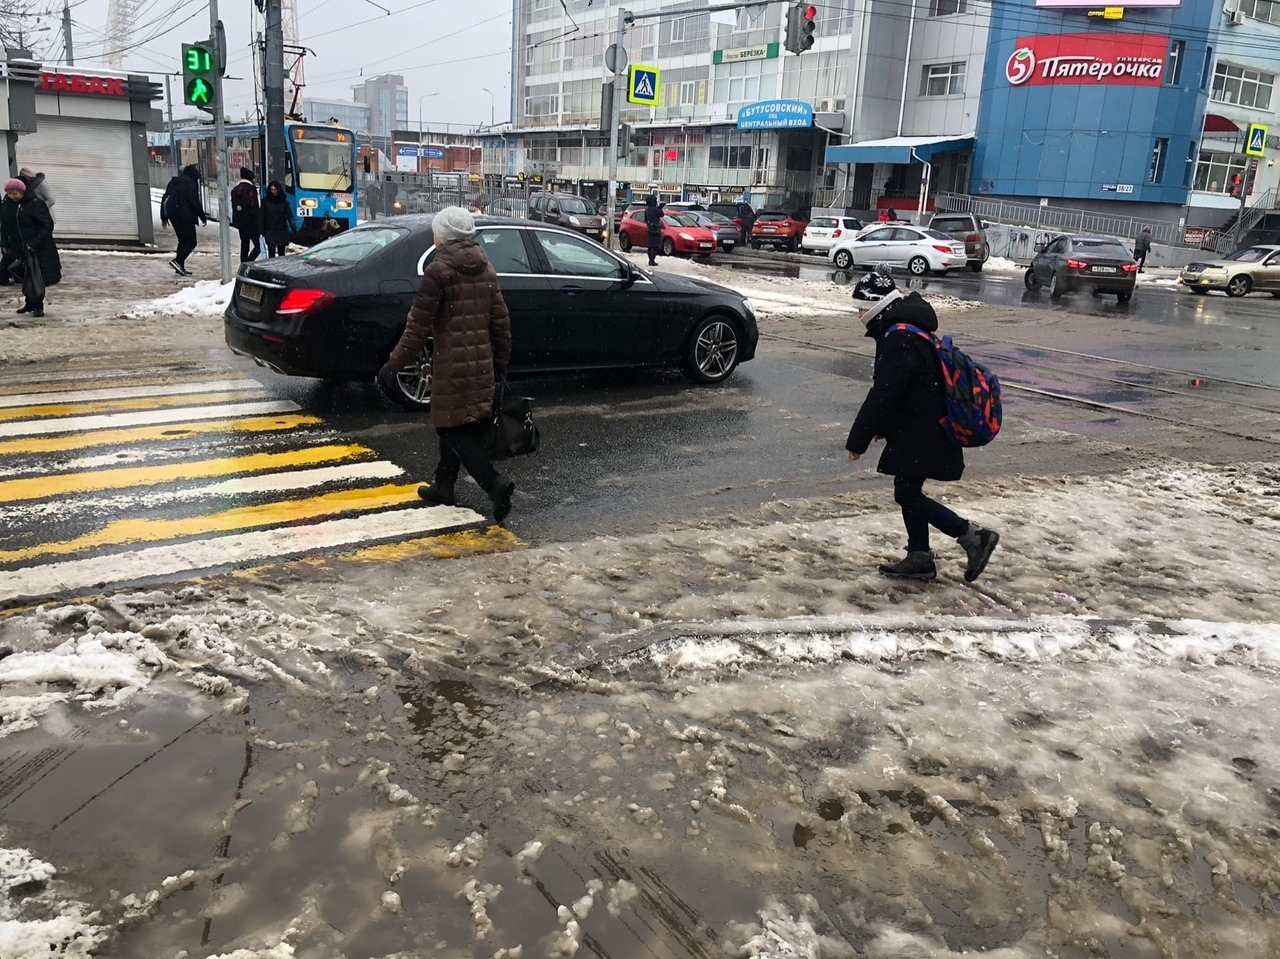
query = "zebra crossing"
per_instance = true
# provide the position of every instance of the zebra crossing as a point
(122, 476)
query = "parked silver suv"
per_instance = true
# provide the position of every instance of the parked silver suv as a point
(969, 228)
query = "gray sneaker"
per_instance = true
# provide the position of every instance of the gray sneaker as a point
(918, 565)
(978, 545)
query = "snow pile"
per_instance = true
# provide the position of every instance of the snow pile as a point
(34, 922)
(999, 264)
(205, 298)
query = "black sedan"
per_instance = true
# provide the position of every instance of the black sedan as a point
(336, 311)
(1099, 264)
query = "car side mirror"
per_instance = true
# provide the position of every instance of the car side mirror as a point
(983, 224)
(630, 274)
(1039, 247)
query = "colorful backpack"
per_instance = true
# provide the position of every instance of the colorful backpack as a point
(971, 390)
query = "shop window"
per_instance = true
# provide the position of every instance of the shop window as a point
(688, 92)
(1267, 11)
(1242, 86)
(942, 79)
(1216, 172)
(1207, 70)
(1173, 76)
(945, 8)
(1158, 153)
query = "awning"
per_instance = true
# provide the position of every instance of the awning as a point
(1216, 123)
(896, 149)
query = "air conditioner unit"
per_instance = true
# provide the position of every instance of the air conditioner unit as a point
(830, 105)
(1235, 18)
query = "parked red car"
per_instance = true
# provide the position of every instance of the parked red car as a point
(680, 234)
(779, 229)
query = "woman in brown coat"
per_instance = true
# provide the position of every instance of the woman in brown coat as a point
(460, 311)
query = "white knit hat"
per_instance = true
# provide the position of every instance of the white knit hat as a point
(453, 223)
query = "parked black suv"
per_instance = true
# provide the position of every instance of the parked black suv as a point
(739, 213)
(569, 211)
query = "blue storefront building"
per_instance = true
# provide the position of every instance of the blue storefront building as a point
(1084, 110)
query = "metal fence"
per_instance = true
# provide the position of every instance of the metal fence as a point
(1059, 218)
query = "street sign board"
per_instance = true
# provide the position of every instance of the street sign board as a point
(775, 115)
(615, 58)
(642, 84)
(1255, 143)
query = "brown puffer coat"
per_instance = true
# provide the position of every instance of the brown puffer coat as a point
(460, 309)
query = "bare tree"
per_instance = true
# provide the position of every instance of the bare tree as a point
(18, 18)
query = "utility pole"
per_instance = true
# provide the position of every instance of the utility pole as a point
(273, 90)
(66, 32)
(619, 83)
(220, 142)
(173, 148)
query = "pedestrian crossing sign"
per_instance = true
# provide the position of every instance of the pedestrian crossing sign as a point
(642, 84)
(1256, 142)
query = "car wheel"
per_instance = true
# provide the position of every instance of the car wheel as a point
(413, 384)
(975, 266)
(1239, 285)
(843, 259)
(668, 246)
(918, 266)
(624, 241)
(1029, 278)
(1124, 297)
(1055, 286)
(712, 352)
(986, 253)
(791, 246)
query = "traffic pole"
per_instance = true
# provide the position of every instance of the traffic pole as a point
(273, 90)
(623, 18)
(220, 144)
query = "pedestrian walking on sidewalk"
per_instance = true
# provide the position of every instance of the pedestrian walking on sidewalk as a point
(1141, 248)
(460, 311)
(26, 237)
(653, 227)
(906, 407)
(246, 215)
(278, 221)
(182, 207)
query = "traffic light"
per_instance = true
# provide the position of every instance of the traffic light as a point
(199, 67)
(624, 140)
(800, 27)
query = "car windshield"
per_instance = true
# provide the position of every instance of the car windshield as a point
(354, 245)
(717, 218)
(1099, 248)
(322, 158)
(575, 205)
(681, 219)
(934, 234)
(1250, 254)
(771, 216)
(823, 222)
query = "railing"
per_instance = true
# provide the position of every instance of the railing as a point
(1061, 218)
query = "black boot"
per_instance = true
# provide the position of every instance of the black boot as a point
(918, 565)
(25, 308)
(978, 545)
(37, 311)
(438, 493)
(501, 493)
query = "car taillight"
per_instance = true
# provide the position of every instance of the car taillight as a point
(835, 234)
(1130, 268)
(301, 302)
(1076, 264)
(942, 249)
(973, 238)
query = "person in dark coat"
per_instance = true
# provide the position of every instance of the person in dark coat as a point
(27, 233)
(37, 184)
(278, 221)
(460, 311)
(182, 207)
(389, 195)
(653, 226)
(246, 215)
(1142, 247)
(906, 407)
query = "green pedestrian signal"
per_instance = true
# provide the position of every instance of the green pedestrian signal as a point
(199, 67)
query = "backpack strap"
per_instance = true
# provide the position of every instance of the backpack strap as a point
(908, 328)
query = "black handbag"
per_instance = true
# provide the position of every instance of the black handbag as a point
(511, 431)
(33, 282)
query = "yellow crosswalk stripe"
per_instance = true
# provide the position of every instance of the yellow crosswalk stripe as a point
(114, 406)
(134, 531)
(61, 484)
(163, 432)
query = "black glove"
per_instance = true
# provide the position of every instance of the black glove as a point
(387, 381)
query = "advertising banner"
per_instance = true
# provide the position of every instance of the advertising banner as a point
(1094, 4)
(775, 115)
(1127, 59)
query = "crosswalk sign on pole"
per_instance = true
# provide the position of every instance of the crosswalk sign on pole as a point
(642, 84)
(1256, 141)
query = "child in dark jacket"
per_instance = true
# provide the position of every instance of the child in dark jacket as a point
(906, 407)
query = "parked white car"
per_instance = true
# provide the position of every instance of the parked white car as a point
(918, 250)
(823, 231)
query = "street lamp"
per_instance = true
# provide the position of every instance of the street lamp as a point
(492, 101)
(420, 127)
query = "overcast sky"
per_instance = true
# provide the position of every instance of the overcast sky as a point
(447, 50)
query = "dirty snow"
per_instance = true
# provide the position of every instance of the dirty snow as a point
(999, 264)
(203, 298)
(35, 922)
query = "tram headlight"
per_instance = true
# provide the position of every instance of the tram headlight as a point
(310, 203)
(342, 205)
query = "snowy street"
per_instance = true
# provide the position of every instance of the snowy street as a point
(254, 712)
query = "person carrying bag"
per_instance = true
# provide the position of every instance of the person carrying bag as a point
(512, 431)
(27, 237)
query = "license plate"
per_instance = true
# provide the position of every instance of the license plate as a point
(704, 246)
(250, 293)
(1103, 269)
(770, 229)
